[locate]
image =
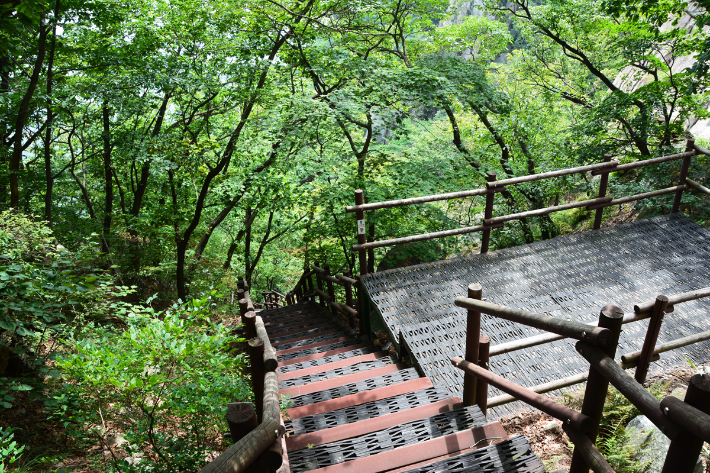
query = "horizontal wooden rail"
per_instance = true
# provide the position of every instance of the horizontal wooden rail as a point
(425, 236)
(546, 175)
(647, 307)
(417, 200)
(626, 385)
(672, 345)
(700, 149)
(569, 329)
(346, 279)
(270, 361)
(547, 210)
(633, 198)
(556, 410)
(697, 186)
(541, 339)
(692, 419)
(558, 384)
(648, 162)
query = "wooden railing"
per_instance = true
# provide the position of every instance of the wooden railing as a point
(258, 432)
(324, 290)
(493, 186)
(687, 423)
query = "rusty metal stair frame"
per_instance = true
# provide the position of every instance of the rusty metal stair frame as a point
(355, 409)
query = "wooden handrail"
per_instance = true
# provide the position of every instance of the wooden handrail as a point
(647, 307)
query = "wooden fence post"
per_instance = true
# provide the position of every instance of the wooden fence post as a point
(473, 335)
(684, 451)
(488, 213)
(241, 418)
(361, 237)
(256, 357)
(649, 343)
(349, 299)
(319, 282)
(689, 146)
(484, 345)
(603, 182)
(331, 290)
(610, 317)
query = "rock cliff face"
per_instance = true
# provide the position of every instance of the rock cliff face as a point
(631, 78)
(461, 9)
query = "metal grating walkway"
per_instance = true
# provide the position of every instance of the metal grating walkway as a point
(570, 277)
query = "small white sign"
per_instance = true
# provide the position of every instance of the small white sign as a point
(361, 230)
(361, 222)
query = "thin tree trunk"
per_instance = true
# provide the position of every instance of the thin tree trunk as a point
(50, 117)
(16, 157)
(108, 177)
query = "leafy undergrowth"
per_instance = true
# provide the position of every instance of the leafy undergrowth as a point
(553, 447)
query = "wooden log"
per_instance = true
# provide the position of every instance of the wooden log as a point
(693, 416)
(588, 451)
(546, 405)
(546, 210)
(649, 342)
(269, 357)
(626, 385)
(557, 384)
(699, 149)
(648, 162)
(256, 357)
(647, 307)
(238, 457)
(272, 458)
(249, 320)
(488, 213)
(672, 345)
(473, 335)
(348, 307)
(610, 318)
(345, 277)
(603, 182)
(424, 236)
(241, 418)
(579, 331)
(546, 175)
(633, 198)
(685, 166)
(696, 186)
(415, 200)
(484, 344)
(361, 238)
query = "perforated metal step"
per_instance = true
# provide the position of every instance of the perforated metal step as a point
(328, 359)
(305, 332)
(402, 435)
(513, 455)
(336, 373)
(316, 339)
(320, 349)
(365, 411)
(277, 330)
(353, 388)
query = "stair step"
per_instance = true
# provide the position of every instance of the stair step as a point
(318, 347)
(336, 372)
(373, 424)
(374, 444)
(372, 389)
(365, 411)
(301, 369)
(333, 383)
(305, 334)
(512, 455)
(288, 329)
(312, 340)
(328, 352)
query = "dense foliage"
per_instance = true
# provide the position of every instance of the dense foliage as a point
(152, 152)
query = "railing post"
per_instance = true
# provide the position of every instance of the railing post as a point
(690, 146)
(484, 345)
(649, 343)
(240, 282)
(361, 237)
(241, 418)
(488, 213)
(256, 357)
(331, 290)
(349, 299)
(603, 182)
(473, 335)
(610, 317)
(298, 289)
(684, 451)
(319, 282)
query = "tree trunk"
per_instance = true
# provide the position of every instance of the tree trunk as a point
(50, 117)
(108, 177)
(16, 156)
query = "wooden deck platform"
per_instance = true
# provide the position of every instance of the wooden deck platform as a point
(569, 277)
